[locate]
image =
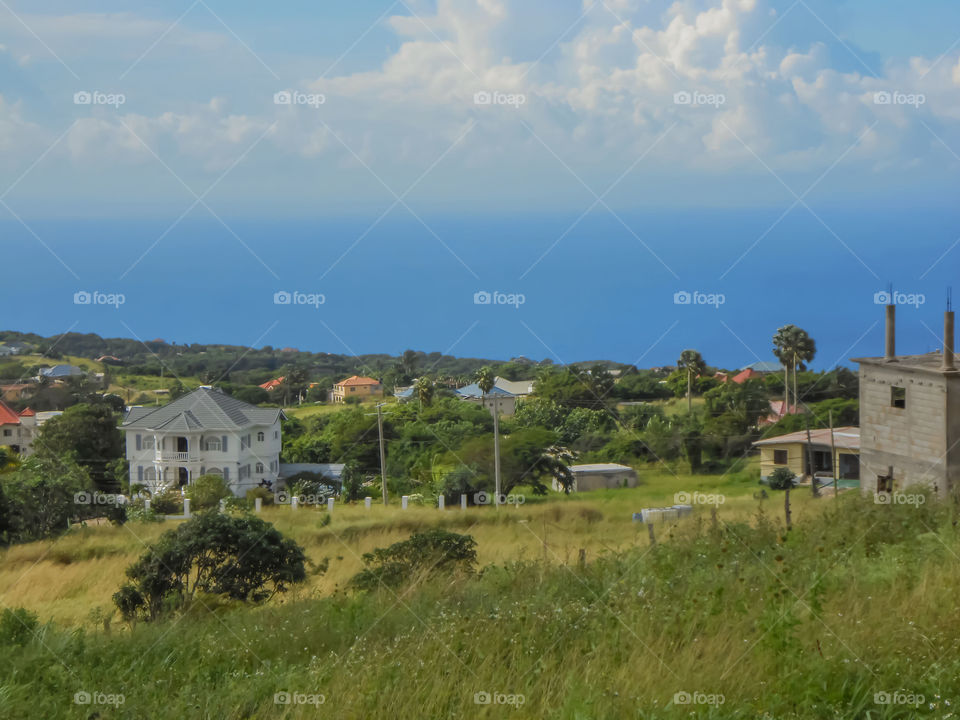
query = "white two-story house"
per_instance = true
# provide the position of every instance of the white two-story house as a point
(203, 433)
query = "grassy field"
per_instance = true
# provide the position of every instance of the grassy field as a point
(854, 607)
(73, 578)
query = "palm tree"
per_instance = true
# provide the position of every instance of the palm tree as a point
(692, 362)
(485, 381)
(424, 390)
(793, 347)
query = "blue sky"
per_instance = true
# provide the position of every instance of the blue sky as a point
(452, 128)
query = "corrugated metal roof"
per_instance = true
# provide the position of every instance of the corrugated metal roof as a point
(847, 438)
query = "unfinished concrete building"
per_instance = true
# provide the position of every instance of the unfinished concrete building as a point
(910, 417)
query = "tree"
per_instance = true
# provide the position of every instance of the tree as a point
(87, 433)
(424, 390)
(207, 491)
(40, 498)
(691, 362)
(793, 347)
(241, 557)
(485, 379)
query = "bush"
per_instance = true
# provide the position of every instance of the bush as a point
(259, 492)
(240, 557)
(17, 626)
(168, 502)
(432, 552)
(781, 479)
(206, 492)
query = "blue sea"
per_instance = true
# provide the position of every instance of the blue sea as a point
(638, 287)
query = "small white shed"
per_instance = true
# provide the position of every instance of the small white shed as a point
(600, 476)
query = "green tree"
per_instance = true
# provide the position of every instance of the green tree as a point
(424, 389)
(241, 557)
(207, 491)
(691, 363)
(782, 479)
(485, 379)
(87, 433)
(793, 347)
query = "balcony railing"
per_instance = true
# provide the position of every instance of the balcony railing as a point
(170, 455)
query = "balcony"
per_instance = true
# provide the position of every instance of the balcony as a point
(171, 456)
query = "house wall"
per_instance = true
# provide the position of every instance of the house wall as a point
(340, 393)
(238, 463)
(796, 457)
(911, 440)
(603, 480)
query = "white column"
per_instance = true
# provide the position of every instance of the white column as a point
(440, 502)
(258, 504)
(403, 501)
(146, 504)
(368, 502)
(463, 502)
(329, 504)
(294, 502)
(186, 507)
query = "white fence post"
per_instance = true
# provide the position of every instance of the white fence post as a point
(186, 507)
(294, 502)
(146, 504)
(441, 501)
(223, 505)
(329, 504)
(463, 502)
(367, 502)
(404, 500)
(258, 504)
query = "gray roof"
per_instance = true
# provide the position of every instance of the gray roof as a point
(600, 468)
(203, 409)
(334, 471)
(62, 371)
(473, 391)
(928, 362)
(763, 366)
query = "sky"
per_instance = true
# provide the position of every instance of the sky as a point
(472, 144)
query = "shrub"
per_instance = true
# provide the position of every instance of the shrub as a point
(17, 626)
(259, 492)
(781, 478)
(168, 502)
(432, 552)
(240, 557)
(206, 492)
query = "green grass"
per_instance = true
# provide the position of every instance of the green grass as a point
(858, 599)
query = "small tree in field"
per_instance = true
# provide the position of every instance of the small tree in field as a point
(434, 551)
(240, 557)
(782, 479)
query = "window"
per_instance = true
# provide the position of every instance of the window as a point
(8, 433)
(276, 434)
(260, 437)
(779, 457)
(898, 397)
(213, 444)
(148, 443)
(260, 467)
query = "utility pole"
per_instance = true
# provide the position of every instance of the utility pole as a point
(496, 449)
(834, 458)
(383, 455)
(813, 474)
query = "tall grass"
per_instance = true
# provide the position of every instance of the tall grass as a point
(858, 599)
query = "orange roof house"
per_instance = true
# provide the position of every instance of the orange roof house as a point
(358, 387)
(273, 384)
